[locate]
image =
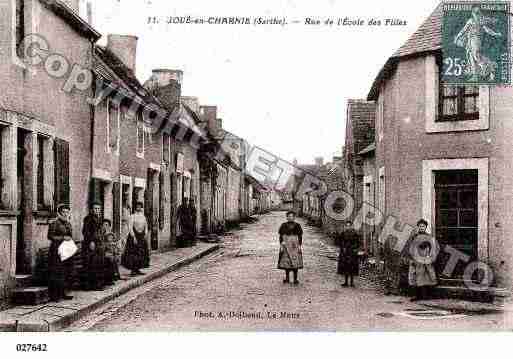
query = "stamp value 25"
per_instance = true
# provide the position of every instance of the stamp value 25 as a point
(476, 43)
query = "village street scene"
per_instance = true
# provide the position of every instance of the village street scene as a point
(128, 204)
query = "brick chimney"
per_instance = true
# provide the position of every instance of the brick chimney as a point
(73, 5)
(166, 84)
(124, 47)
(209, 115)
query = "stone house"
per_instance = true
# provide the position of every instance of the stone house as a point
(360, 121)
(443, 154)
(185, 136)
(334, 180)
(125, 134)
(43, 129)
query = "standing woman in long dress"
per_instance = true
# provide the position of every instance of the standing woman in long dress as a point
(59, 271)
(291, 253)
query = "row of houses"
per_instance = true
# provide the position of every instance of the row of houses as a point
(104, 143)
(417, 148)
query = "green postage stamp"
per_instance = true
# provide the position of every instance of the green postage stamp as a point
(476, 41)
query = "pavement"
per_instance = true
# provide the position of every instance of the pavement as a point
(238, 288)
(55, 316)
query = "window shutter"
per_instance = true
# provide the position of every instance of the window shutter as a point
(61, 156)
(162, 201)
(116, 206)
(148, 205)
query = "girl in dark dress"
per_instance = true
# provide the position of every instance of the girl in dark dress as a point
(348, 257)
(291, 254)
(58, 271)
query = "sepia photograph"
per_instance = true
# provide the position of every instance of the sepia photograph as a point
(259, 167)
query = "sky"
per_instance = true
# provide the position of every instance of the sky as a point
(283, 88)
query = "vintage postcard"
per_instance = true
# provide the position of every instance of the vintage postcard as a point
(254, 166)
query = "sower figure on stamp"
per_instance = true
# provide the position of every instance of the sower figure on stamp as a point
(291, 253)
(470, 37)
(93, 250)
(348, 257)
(58, 271)
(421, 272)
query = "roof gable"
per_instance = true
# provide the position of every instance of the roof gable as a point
(427, 38)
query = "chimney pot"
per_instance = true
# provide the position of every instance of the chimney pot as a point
(165, 76)
(124, 47)
(209, 115)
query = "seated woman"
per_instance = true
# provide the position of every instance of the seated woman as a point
(111, 270)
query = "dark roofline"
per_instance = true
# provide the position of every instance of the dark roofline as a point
(71, 18)
(388, 69)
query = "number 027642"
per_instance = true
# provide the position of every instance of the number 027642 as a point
(31, 348)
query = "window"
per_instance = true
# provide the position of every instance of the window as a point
(458, 103)
(113, 126)
(451, 108)
(140, 135)
(20, 26)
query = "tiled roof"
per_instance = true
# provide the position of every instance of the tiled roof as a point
(123, 72)
(427, 38)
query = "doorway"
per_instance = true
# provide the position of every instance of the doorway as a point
(456, 216)
(22, 262)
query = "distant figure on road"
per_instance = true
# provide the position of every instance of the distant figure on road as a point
(348, 257)
(291, 242)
